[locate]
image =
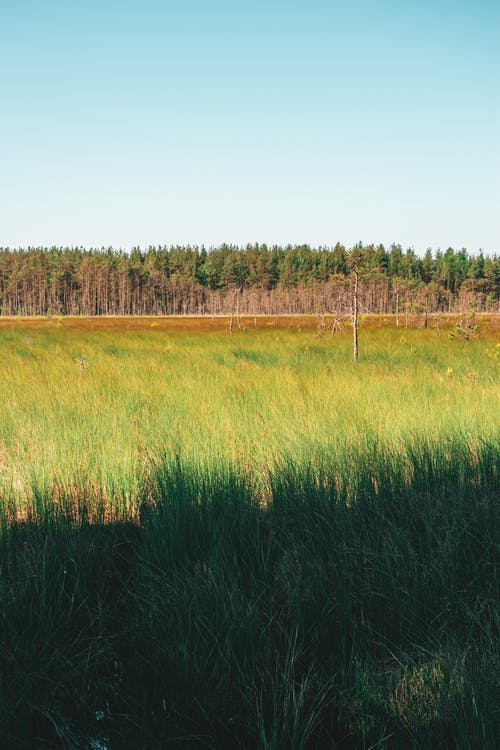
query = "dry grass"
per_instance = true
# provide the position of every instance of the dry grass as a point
(206, 323)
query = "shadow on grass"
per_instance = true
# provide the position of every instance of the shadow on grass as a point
(357, 607)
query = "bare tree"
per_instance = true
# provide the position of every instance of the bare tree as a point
(355, 263)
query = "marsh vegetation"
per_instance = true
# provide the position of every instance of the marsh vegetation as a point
(245, 541)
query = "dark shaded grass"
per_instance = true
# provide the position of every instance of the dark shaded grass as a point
(357, 609)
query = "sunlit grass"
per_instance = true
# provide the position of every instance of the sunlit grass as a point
(95, 407)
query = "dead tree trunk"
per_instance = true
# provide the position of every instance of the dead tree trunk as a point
(238, 319)
(355, 293)
(355, 262)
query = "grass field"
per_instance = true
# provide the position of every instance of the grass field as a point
(94, 404)
(214, 540)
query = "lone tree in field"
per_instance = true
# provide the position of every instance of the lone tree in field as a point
(355, 264)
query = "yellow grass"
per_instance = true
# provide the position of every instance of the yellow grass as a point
(90, 402)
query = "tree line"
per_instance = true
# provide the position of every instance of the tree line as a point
(256, 279)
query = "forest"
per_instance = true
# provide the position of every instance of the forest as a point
(256, 279)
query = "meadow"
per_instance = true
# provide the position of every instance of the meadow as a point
(246, 540)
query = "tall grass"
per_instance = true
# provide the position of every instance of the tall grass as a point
(210, 398)
(361, 615)
(247, 542)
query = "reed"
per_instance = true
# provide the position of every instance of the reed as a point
(244, 541)
(92, 408)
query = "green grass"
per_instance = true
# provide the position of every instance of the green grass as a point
(95, 407)
(247, 541)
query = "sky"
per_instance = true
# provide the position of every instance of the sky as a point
(130, 123)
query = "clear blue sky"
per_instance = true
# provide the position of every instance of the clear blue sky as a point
(127, 122)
